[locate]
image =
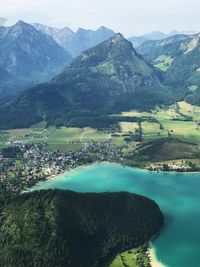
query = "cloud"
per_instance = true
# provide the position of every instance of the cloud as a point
(126, 16)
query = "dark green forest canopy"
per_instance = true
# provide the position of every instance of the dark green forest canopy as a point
(64, 228)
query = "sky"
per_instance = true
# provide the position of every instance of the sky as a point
(130, 17)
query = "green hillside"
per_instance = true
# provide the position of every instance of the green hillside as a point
(178, 58)
(108, 77)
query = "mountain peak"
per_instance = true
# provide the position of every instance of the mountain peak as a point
(121, 44)
(67, 29)
(21, 26)
(82, 30)
(102, 28)
(21, 23)
(118, 37)
(115, 48)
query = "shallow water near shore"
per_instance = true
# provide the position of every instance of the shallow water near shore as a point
(178, 196)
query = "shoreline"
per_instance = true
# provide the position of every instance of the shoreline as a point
(69, 170)
(144, 169)
(154, 261)
(173, 172)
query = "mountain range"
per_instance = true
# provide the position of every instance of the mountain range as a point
(156, 35)
(178, 58)
(31, 54)
(107, 78)
(28, 56)
(76, 42)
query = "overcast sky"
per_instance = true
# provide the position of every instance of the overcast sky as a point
(130, 17)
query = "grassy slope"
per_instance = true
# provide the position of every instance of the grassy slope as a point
(132, 258)
(163, 62)
(180, 121)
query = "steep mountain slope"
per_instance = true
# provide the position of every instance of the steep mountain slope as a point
(179, 58)
(68, 229)
(170, 46)
(108, 78)
(76, 42)
(6, 80)
(85, 39)
(4, 75)
(29, 56)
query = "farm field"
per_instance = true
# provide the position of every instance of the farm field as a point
(189, 110)
(150, 128)
(128, 127)
(134, 113)
(179, 123)
(92, 134)
(185, 130)
(175, 134)
(62, 139)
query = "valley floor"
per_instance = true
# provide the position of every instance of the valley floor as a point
(161, 140)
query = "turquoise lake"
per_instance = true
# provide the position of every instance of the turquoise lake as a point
(178, 196)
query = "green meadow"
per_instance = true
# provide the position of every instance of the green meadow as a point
(168, 133)
(163, 62)
(131, 258)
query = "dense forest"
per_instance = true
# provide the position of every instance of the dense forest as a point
(63, 228)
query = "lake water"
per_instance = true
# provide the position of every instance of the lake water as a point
(178, 196)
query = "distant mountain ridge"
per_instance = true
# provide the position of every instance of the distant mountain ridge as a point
(61, 36)
(170, 46)
(109, 77)
(76, 42)
(27, 48)
(156, 36)
(29, 56)
(179, 59)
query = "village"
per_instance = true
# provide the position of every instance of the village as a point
(23, 165)
(175, 166)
